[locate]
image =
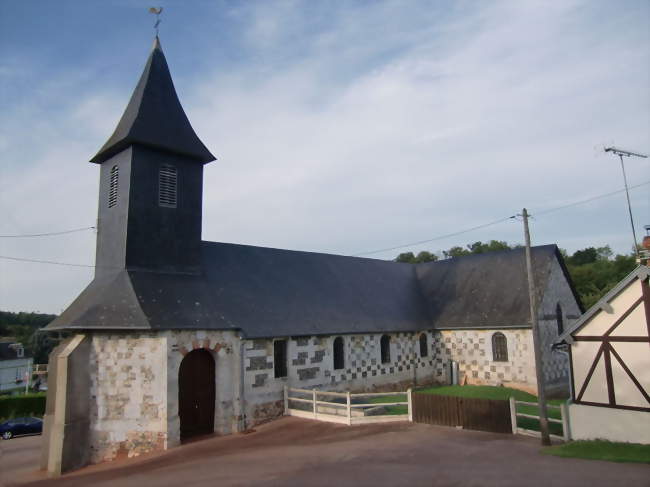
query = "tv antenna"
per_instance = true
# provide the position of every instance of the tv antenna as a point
(620, 153)
(157, 11)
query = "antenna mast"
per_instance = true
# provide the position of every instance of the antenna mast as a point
(620, 153)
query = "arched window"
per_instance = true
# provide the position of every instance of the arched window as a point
(499, 347)
(167, 183)
(339, 354)
(385, 349)
(424, 349)
(112, 187)
(559, 318)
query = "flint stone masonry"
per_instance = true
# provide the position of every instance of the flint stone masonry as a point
(260, 380)
(310, 364)
(472, 350)
(301, 358)
(307, 374)
(258, 363)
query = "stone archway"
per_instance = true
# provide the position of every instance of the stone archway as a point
(196, 394)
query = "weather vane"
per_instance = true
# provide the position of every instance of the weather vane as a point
(157, 11)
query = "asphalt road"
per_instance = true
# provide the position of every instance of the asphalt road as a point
(300, 452)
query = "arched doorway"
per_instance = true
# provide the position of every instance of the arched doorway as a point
(196, 394)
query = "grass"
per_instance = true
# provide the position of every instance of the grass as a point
(602, 450)
(484, 392)
(392, 410)
(504, 393)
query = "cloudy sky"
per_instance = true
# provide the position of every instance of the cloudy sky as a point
(339, 126)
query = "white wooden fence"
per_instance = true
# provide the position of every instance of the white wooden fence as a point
(564, 421)
(348, 412)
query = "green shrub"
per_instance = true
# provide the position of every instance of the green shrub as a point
(23, 405)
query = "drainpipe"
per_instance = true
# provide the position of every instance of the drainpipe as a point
(242, 388)
(415, 360)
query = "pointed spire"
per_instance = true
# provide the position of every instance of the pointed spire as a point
(154, 117)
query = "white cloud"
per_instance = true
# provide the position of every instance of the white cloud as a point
(355, 128)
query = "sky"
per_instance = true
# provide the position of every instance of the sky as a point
(342, 127)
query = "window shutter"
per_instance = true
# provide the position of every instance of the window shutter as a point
(167, 186)
(112, 189)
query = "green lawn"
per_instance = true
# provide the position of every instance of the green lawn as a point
(390, 409)
(482, 392)
(602, 450)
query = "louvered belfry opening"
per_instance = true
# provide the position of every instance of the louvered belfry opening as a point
(112, 189)
(167, 186)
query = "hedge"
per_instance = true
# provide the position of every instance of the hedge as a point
(23, 405)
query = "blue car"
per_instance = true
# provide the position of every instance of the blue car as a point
(20, 426)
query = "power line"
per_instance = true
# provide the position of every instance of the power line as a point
(588, 200)
(441, 237)
(500, 220)
(478, 227)
(50, 234)
(20, 259)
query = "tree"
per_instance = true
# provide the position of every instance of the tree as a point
(410, 258)
(478, 248)
(593, 270)
(406, 257)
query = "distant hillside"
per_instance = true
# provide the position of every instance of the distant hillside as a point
(24, 327)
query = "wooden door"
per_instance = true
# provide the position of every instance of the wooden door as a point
(196, 394)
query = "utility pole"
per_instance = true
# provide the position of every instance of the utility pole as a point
(539, 372)
(620, 153)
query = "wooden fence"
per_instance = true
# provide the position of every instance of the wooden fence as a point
(469, 413)
(344, 407)
(564, 421)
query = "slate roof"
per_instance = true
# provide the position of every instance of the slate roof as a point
(265, 292)
(485, 290)
(9, 353)
(154, 117)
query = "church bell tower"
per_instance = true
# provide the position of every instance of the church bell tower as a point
(151, 182)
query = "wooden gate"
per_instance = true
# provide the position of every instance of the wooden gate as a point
(196, 394)
(476, 414)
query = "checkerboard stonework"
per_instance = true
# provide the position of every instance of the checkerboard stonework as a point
(311, 363)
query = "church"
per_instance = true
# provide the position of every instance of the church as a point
(177, 337)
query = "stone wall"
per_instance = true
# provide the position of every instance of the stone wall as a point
(134, 389)
(128, 409)
(472, 350)
(225, 349)
(311, 365)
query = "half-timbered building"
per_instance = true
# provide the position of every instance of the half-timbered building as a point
(609, 348)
